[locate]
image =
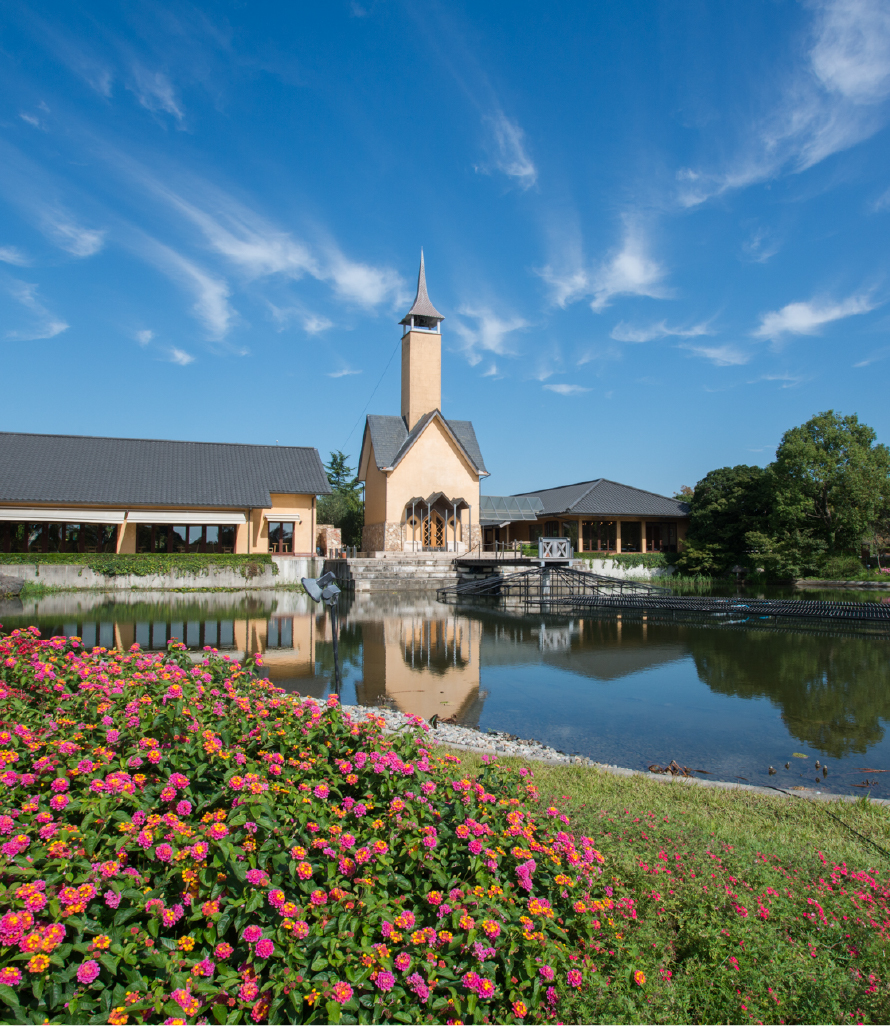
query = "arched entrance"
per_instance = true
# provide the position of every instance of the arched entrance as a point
(434, 523)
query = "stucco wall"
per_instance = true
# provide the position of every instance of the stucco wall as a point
(421, 374)
(433, 464)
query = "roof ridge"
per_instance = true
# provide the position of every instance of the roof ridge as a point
(645, 491)
(556, 488)
(173, 441)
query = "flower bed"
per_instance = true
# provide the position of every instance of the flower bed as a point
(186, 842)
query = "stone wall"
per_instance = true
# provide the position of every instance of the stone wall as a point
(327, 537)
(385, 537)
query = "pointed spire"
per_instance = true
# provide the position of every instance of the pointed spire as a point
(423, 313)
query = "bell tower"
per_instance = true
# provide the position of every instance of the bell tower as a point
(421, 356)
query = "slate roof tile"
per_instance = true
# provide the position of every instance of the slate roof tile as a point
(153, 472)
(607, 498)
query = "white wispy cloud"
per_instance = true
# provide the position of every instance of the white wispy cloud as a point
(832, 101)
(623, 332)
(874, 357)
(13, 255)
(808, 318)
(74, 238)
(155, 92)
(344, 372)
(211, 294)
(180, 356)
(259, 249)
(145, 336)
(314, 323)
(783, 380)
(882, 202)
(599, 354)
(489, 335)
(510, 156)
(726, 355)
(629, 271)
(761, 246)
(492, 371)
(44, 324)
(566, 389)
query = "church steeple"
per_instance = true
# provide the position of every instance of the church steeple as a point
(421, 356)
(422, 313)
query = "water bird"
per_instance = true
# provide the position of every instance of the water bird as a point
(824, 771)
(787, 765)
(772, 770)
(817, 764)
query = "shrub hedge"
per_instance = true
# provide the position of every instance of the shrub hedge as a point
(120, 564)
(187, 842)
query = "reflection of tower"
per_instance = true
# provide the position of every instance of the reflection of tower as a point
(423, 665)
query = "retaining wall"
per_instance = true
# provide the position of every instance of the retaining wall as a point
(612, 568)
(77, 577)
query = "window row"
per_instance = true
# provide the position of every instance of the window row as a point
(17, 536)
(602, 535)
(185, 538)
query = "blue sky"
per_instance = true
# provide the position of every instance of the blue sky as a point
(658, 231)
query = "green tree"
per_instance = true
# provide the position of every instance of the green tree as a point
(832, 481)
(344, 507)
(725, 505)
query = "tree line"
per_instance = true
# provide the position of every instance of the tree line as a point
(810, 513)
(344, 507)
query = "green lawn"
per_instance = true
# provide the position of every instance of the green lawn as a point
(737, 907)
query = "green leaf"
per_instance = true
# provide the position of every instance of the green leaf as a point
(8, 996)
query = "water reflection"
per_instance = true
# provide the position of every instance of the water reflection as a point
(627, 691)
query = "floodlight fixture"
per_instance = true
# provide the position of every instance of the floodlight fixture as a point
(322, 589)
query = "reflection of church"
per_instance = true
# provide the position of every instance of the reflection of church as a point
(421, 471)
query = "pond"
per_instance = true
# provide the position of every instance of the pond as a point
(730, 700)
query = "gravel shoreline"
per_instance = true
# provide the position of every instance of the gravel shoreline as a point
(493, 741)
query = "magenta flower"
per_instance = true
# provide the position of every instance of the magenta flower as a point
(223, 950)
(183, 808)
(403, 961)
(257, 876)
(164, 852)
(574, 977)
(265, 948)
(385, 981)
(252, 934)
(88, 971)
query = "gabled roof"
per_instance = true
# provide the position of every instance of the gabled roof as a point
(607, 498)
(392, 440)
(422, 307)
(153, 472)
(496, 509)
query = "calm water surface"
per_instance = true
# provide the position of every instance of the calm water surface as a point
(732, 700)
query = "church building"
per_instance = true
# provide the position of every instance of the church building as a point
(421, 471)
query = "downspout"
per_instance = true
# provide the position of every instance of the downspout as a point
(249, 526)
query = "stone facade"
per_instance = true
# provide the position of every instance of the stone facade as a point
(327, 538)
(385, 537)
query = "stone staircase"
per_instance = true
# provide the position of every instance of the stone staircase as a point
(397, 572)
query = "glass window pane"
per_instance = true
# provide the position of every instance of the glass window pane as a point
(286, 633)
(106, 635)
(196, 538)
(159, 636)
(274, 536)
(211, 539)
(272, 634)
(143, 635)
(227, 634)
(89, 635)
(631, 536)
(162, 537)
(193, 634)
(36, 538)
(227, 538)
(143, 538)
(176, 631)
(179, 539)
